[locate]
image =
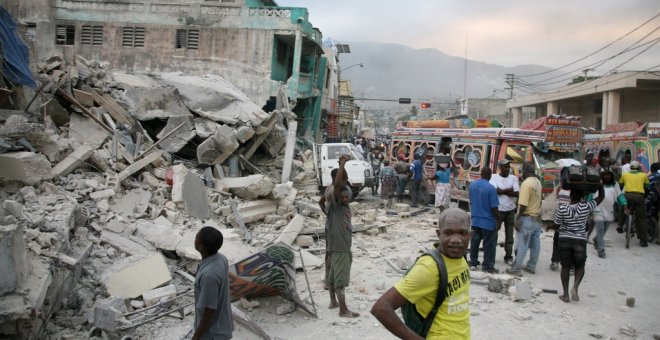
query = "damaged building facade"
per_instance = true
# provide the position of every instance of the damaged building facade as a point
(254, 44)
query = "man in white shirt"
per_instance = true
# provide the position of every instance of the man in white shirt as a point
(507, 193)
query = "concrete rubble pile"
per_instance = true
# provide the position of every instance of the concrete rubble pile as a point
(105, 182)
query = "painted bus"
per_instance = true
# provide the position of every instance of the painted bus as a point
(542, 141)
(638, 141)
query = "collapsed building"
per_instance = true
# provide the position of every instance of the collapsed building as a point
(107, 172)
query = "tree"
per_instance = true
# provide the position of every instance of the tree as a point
(413, 110)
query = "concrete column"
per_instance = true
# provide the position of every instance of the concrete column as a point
(552, 108)
(295, 72)
(516, 117)
(605, 111)
(613, 108)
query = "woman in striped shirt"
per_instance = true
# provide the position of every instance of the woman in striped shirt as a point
(572, 221)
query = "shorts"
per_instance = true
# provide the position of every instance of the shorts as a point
(340, 269)
(572, 252)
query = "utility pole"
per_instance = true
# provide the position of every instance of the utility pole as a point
(585, 73)
(510, 80)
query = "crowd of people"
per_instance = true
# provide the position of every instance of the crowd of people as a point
(436, 288)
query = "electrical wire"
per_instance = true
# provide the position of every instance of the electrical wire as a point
(592, 53)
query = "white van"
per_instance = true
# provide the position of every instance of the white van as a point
(326, 158)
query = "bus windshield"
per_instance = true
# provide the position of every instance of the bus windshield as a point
(547, 158)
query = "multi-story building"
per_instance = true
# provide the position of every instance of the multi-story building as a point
(620, 97)
(255, 44)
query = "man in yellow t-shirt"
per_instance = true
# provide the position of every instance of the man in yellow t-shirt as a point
(528, 222)
(634, 185)
(420, 285)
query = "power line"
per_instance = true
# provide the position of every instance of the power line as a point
(592, 53)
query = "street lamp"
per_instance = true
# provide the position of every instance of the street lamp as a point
(359, 64)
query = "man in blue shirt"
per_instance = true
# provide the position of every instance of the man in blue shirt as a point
(416, 169)
(485, 221)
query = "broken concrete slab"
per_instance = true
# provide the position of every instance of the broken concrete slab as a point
(137, 166)
(159, 234)
(135, 275)
(205, 127)
(176, 140)
(290, 232)
(83, 97)
(103, 194)
(252, 211)
(57, 113)
(250, 187)
(523, 291)
(149, 98)
(86, 131)
(232, 247)
(217, 148)
(154, 296)
(310, 260)
(133, 203)
(124, 244)
(72, 161)
(194, 197)
(304, 241)
(213, 97)
(179, 172)
(15, 266)
(24, 166)
(244, 133)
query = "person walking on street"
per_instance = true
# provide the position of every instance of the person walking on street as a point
(401, 168)
(507, 192)
(563, 197)
(213, 318)
(420, 286)
(635, 184)
(339, 240)
(604, 213)
(485, 221)
(572, 222)
(375, 159)
(442, 186)
(389, 181)
(528, 224)
(416, 175)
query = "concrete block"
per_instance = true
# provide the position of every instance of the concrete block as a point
(282, 190)
(151, 180)
(134, 203)
(103, 194)
(14, 264)
(252, 211)
(244, 133)
(250, 187)
(136, 275)
(523, 291)
(401, 207)
(160, 235)
(138, 165)
(27, 167)
(204, 127)
(305, 241)
(116, 226)
(13, 208)
(154, 296)
(291, 231)
(179, 173)
(124, 244)
(87, 131)
(179, 138)
(217, 148)
(194, 197)
(72, 161)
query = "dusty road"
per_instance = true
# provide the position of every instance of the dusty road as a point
(601, 313)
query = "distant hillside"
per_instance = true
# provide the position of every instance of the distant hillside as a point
(398, 71)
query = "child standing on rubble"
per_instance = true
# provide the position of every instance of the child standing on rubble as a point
(213, 318)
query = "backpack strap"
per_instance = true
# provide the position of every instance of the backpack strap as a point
(442, 291)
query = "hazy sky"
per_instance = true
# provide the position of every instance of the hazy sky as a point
(504, 32)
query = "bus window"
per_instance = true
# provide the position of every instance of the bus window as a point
(401, 149)
(469, 156)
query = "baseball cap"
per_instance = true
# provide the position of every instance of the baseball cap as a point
(503, 162)
(634, 164)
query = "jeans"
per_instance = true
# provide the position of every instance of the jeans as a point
(508, 217)
(490, 244)
(414, 191)
(528, 238)
(601, 229)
